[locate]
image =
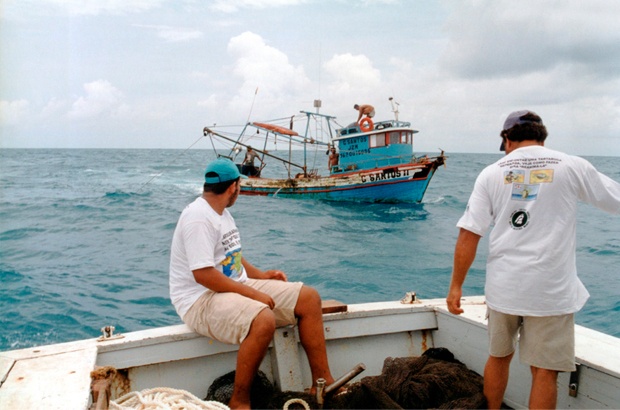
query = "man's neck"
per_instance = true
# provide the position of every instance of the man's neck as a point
(513, 145)
(217, 202)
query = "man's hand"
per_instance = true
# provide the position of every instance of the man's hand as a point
(264, 298)
(256, 273)
(276, 274)
(454, 301)
(464, 255)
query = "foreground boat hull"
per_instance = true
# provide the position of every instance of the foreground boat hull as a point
(404, 183)
(58, 376)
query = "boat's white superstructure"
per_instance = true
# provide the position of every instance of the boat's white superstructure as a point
(58, 376)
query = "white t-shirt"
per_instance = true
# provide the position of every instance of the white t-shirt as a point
(203, 238)
(530, 197)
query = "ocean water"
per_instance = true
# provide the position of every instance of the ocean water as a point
(85, 237)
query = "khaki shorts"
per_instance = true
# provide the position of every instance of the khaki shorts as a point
(227, 317)
(545, 342)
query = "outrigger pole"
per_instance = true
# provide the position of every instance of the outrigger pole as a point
(207, 130)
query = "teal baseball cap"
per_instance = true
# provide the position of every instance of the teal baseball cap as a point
(224, 170)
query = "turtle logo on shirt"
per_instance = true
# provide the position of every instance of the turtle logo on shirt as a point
(519, 219)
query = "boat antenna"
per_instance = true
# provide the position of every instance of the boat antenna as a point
(394, 110)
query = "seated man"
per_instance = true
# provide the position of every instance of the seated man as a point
(221, 295)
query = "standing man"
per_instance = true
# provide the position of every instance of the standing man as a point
(219, 294)
(247, 167)
(367, 110)
(333, 158)
(532, 289)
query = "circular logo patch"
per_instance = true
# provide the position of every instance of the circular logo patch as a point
(519, 219)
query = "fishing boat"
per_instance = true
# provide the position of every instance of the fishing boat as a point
(359, 338)
(376, 160)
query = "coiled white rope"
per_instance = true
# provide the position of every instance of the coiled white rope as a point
(163, 398)
(298, 401)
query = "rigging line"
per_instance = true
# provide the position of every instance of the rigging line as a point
(167, 165)
(252, 106)
(213, 144)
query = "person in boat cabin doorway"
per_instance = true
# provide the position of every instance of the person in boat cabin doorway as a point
(532, 289)
(333, 158)
(220, 294)
(247, 167)
(367, 110)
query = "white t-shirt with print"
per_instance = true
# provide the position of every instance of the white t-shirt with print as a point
(530, 198)
(203, 238)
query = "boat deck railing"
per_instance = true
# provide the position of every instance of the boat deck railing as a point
(379, 125)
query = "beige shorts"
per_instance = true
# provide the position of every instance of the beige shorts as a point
(545, 342)
(227, 317)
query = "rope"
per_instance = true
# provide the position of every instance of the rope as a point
(163, 398)
(296, 401)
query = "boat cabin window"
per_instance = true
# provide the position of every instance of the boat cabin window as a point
(377, 140)
(405, 138)
(394, 138)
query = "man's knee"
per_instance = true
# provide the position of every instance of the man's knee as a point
(264, 323)
(309, 295)
(309, 301)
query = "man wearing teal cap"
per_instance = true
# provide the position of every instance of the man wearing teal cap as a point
(219, 294)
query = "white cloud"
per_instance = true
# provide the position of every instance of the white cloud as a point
(352, 77)
(14, 112)
(101, 97)
(55, 108)
(231, 6)
(95, 7)
(174, 34)
(261, 66)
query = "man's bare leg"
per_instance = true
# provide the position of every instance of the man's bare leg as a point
(544, 391)
(251, 353)
(310, 324)
(496, 374)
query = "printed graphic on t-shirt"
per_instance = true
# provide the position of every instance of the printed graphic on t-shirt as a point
(514, 175)
(519, 219)
(528, 163)
(231, 265)
(524, 192)
(541, 176)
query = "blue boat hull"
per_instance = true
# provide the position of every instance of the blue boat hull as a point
(395, 185)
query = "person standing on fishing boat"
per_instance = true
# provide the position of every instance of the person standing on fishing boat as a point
(220, 294)
(333, 159)
(247, 167)
(532, 290)
(366, 109)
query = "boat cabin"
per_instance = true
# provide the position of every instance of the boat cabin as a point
(386, 143)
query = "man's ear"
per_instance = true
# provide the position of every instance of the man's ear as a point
(233, 187)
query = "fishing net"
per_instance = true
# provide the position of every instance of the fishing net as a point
(434, 380)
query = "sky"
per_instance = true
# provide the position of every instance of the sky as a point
(153, 73)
